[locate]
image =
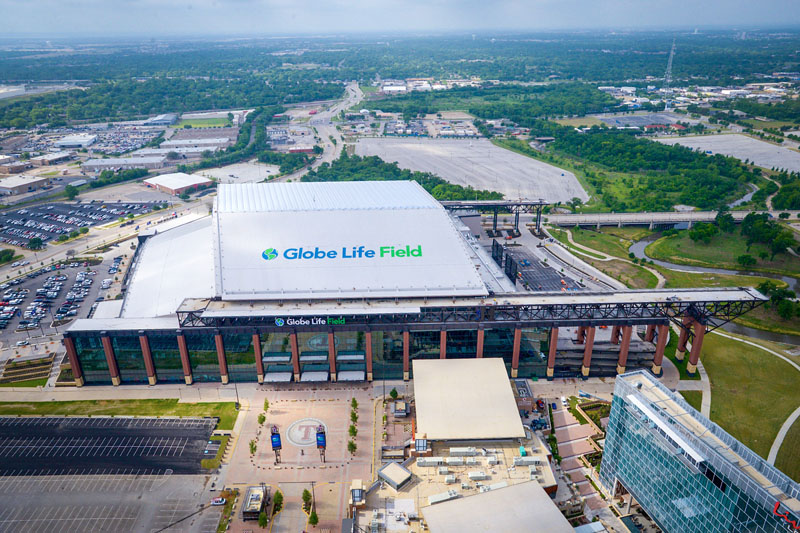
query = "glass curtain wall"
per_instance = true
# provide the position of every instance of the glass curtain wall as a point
(387, 355)
(130, 360)
(93, 360)
(203, 357)
(240, 355)
(166, 357)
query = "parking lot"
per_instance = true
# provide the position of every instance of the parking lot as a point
(120, 503)
(49, 221)
(33, 445)
(30, 304)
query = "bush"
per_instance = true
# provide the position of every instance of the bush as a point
(393, 394)
(261, 418)
(263, 521)
(313, 519)
(266, 405)
(253, 447)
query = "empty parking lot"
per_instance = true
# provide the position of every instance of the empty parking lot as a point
(479, 164)
(33, 446)
(761, 153)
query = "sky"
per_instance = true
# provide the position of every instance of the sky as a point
(280, 17)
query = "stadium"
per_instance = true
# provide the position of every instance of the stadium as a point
(353, 281)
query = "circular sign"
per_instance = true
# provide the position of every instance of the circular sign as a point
(303, 432)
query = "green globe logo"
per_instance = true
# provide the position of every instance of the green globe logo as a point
(269, 254)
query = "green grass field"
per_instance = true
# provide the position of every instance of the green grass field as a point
(604, 242)
(579, 121)
(767, 319)
(669, 351)
(41, 382)
(204, 123)
(693, 398)
(721, 252)
(752, 393)
(678, 280)
(774, 124)
(788, 460)
(225, 411)
(561, 236)
(213, 464)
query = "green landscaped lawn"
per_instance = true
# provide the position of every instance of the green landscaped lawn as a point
(788, 460)
(561, 236)
(677, 279)
(225, 411)
(213, 464)
(630, 233)
(670, 350)
(601, 241)
(721, 252)
(41, 382)
(204, 123)
(693, 398)
(579, 121)
(752, 391)
(774, 124)
(766, 318)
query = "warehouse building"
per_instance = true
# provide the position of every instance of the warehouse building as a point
(81, 140)
(167, 119)
(52, 159)
(22, 184)
(208, 144)
(354, 281)
(124, 163)
(15, 167)
(177, 183)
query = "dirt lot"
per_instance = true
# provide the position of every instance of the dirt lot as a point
(480, 164)
(761, 153)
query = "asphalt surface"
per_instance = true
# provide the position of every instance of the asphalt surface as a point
(41, 445)
(49, 221)
(537, 276)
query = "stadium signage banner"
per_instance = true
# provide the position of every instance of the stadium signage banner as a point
(354, 252)
(311, 321)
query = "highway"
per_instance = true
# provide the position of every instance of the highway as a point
(622, 219)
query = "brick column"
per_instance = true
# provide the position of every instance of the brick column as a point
(111, 358)
(479, 348)
(697, 346)
(74, 362)
(515, 353)
(259, 357)
(443, 344)
(649, 333)
(332, 355)
(627, 332)
(406, 352)
(147, 355)
(661, 344)
(683, 337)
(223, 363)
(187, 365)
(368, 356)
(615, 335)
(295, 356)
(551, 355)
(581, 335)
(587, 352)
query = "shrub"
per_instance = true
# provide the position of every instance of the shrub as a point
(393, 394)
(261, 418)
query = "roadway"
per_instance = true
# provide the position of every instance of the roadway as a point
(669, 217)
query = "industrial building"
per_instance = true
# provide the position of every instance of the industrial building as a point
(80, 140)
(185, 152)
(52, 159)
(686, 472)
(354, 281)
(22, 184)
(209, 143)
(15, 167)
(124, 163)
(177, 183)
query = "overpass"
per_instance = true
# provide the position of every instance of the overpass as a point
(650, 219)
(516, 207)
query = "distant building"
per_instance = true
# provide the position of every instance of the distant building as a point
(177, 183)
(210, 143)
(81, 140)
(162, 120)
(185, 152)
(15, 167)
(22, 184)
(124, 163)
(52, 159)
(686, 472)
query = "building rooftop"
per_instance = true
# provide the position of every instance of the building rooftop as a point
(123, 161)
(448, 407)
(17, 181)
(54, 156)
(394, 473)
(177, 180)
(285, 241)
(521, 507)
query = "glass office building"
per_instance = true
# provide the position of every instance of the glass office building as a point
(685, 471)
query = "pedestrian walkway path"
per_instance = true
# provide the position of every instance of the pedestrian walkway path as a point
(776, 444)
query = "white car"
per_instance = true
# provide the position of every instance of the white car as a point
(22, 343)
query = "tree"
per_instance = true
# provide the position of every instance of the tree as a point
(84, 230)
(35, 243)
(62, 238)
(746, 260)
(784, 240)
(277, 502)
(313, 519)
(702, 232)
(266, 405)
(354, 404)
(351, 447)
(172, 155)
(353, 417)
(263, 520)
(253, 447)
(393, 394)
(786, 309)
(306, 499)
(725, 221)
(783, 216)
(71, 192)
(352, 430)
(261, 418)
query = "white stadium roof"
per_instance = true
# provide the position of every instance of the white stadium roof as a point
(327, 240)
(177, 180)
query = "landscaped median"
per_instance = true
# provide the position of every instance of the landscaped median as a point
(224, 411)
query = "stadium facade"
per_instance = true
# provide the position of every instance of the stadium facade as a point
(687, 473)
(353, 281)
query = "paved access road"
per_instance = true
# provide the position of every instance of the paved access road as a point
(41, 445)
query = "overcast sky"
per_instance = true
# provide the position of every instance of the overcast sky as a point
(264, 17)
